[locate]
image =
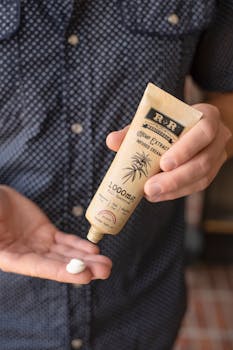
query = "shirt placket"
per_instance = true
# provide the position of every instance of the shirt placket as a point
(80, 165)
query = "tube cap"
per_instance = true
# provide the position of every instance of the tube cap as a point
(94, 235)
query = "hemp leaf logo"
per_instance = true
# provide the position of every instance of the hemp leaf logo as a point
(138, 168)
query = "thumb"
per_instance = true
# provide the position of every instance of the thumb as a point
(115, 138)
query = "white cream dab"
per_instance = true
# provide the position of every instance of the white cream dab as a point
(75, 266)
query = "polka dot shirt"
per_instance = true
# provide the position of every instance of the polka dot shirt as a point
(71, 72)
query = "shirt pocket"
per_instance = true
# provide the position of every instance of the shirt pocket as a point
(166, 17)
(9, 18)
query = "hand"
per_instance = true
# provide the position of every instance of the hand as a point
(192, 162)
(31, 245)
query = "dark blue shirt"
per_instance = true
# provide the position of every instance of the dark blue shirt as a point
(71, 72)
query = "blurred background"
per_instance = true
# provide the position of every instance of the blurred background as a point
(208, 324)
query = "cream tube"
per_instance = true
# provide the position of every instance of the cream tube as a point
(159, 121)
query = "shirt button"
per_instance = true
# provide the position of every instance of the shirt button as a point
(76, 128)
(76, 344)
(77, 210)
(173, 19)
(73, 40)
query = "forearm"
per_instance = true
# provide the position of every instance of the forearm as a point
(224, 102)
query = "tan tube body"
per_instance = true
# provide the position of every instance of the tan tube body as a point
(159, 121)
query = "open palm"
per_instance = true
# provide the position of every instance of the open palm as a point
(31, 245)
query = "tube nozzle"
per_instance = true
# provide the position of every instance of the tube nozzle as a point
(94, 235)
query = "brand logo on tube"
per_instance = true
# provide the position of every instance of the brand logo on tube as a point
(165, 121)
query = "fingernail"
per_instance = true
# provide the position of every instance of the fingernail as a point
(156, 190)
(168, 164)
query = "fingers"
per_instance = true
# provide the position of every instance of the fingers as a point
(35, 265)
(188, 173)
(75, 242)
(51, 263)
(194, 161)
(53, 267)
(99, 265)
(68, 252)
(185, 191)
(199, 137)
(115, 138)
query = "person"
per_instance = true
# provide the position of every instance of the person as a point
(70, 73)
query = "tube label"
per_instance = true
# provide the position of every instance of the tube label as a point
(165, 121)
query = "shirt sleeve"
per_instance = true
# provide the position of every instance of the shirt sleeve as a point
(212, 66)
